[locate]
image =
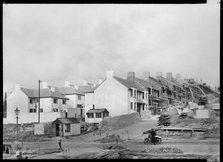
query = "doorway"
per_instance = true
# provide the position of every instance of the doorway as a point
(57, 129)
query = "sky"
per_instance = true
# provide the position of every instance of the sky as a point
(75, 42)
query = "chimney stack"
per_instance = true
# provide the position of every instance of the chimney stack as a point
(146, 76)
(131, 76)
(110, 74)
(17, 86)
(178, 76)
(99, 81)
(44, 85)
(169, 76)
(85, 83)
(67, 84)
(76, 87)
(159, 74)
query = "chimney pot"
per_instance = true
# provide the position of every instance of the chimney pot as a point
(131, 76)
(17, 86)
(85, 83)
(44, 85)
(159, 74)
(110, 74)
(67, 84)
(169, 76)
(147, 75)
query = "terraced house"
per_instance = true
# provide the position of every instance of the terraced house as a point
(52, 105)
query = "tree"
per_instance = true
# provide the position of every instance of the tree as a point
(164, 119)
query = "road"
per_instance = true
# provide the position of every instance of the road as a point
(78, 145)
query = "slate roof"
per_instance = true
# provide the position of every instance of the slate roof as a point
(145, 83)
(44, 93)
(69, 91)
(130, 84)
(97, 110)
(86, 89)
(67, 120)
(155, 83)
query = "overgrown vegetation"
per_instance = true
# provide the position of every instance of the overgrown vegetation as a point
(164, 119)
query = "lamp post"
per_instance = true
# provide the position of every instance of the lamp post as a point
(39, 104)
(17, 117)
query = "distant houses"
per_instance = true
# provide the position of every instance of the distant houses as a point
(111, 96)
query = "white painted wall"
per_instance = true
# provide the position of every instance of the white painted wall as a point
(93, 120)
(89, 102)
(75, 129)
(18, 99)
(113, 96)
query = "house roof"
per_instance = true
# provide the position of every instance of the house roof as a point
(86, 89)
(97, 110)
(66, 120)
(155, 83)
(145, 83)
(167, 82)
(69, 91)
(44, 93)
(130, 84)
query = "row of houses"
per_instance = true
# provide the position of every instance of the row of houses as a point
(111, 96)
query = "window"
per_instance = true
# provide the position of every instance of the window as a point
(142, 95)
(131, 93)
(149, 102)
(55, 110)
(149, 89)
(106, 114)
(90, 115)
(134, 93)
(79, 105)
(63, 101)
(67, 127)
(131, 105)
(31, 101)
(55, 101)
(79, 97)
(134, 106)
(32, 110)
(41, 110)
(98, 115)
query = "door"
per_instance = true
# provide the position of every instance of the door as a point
(57, 130)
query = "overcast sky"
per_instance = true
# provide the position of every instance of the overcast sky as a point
(73, 42)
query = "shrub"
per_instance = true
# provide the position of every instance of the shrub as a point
(164, 119)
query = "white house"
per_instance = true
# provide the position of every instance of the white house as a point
(76, 100)
(118, 96)
(26, 100)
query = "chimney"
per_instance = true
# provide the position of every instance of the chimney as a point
(146, 76)
(67, 84)
(17, 86)
(178, 76)
(85, 83)
(99, 81)
(169, 76)
(52, 89)
(131, 76)
(110, 74)
(76, 87)
(159, 74)
(44, 85)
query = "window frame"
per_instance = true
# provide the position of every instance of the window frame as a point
(67, 127)
(55, 99)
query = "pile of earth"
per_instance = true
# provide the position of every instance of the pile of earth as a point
(114, 123)
(110, 138)
(163, 150)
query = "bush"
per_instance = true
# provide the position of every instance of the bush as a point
(164, 119)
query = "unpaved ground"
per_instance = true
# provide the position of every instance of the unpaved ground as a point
(77, 145)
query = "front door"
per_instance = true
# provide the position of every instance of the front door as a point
(57, 130)
(139, 109)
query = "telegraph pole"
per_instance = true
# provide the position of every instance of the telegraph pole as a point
(39, 104)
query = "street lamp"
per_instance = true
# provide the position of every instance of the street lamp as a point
(17, 117)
